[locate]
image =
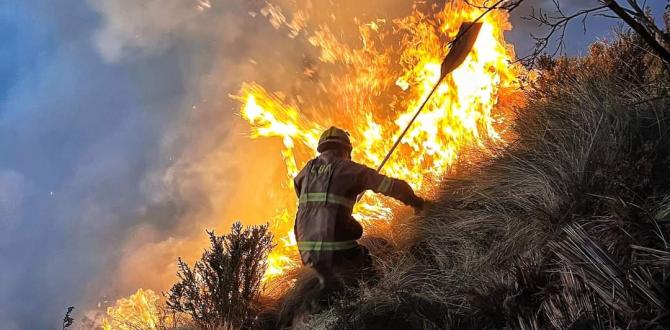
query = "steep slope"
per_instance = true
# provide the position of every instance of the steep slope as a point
(568, 227)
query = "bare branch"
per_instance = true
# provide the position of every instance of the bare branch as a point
(644, 18)
(641, 29)
(557, 25)
(557, 22)
(507, 5)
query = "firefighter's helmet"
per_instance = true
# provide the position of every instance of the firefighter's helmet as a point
(334, 138)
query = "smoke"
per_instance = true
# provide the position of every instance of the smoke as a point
(208, 172)
(140, 28)
(93, 131)
(211, 172)
(120, 145)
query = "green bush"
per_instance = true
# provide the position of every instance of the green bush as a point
(223, 287)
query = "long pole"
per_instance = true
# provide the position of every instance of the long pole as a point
(397, 141)
(461, 46)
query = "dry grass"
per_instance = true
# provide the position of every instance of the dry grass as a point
(566, 228)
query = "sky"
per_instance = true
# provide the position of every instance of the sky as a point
(112, 116)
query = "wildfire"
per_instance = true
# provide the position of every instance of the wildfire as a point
(372, 91)
(460, 113)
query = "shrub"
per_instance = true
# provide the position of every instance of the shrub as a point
(223, 287)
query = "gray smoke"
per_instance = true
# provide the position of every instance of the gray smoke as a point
(119, 143)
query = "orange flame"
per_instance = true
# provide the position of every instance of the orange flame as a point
(140, 310)
(460, 113)
(377, 88)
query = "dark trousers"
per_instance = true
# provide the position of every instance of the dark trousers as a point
(312, 293)
(346, 269)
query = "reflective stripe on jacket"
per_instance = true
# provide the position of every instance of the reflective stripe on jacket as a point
(327, 188)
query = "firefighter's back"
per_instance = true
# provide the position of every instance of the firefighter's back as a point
(327, 189)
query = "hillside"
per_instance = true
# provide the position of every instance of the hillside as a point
(567, 227)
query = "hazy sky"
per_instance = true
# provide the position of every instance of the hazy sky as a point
(96, 99)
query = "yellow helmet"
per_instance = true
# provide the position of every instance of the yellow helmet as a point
(334, 138)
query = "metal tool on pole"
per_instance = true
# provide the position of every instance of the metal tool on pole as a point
(460, 48)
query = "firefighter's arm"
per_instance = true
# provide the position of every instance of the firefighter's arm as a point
(297, 183)
(395, 188)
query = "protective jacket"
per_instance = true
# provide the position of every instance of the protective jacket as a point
(327, 188)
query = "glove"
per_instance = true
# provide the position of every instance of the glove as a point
(419, 205)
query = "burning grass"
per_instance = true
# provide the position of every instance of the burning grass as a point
(567, 227)
(373, 89)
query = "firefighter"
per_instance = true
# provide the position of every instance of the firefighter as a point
(325, 230)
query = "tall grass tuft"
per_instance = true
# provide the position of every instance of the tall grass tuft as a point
(568, 227)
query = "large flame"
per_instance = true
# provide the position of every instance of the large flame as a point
(139, 311)
(377, 87)
(460, 114)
